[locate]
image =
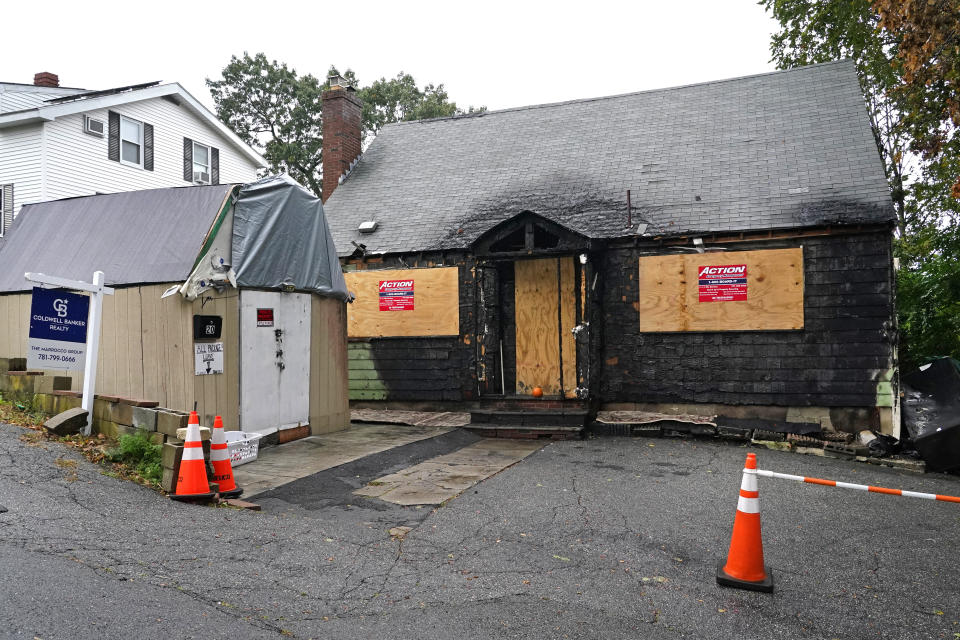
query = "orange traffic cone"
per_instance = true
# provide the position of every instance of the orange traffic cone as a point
(744, 568)
(220, 458)
(192, 480)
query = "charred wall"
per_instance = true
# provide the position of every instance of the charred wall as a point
(835, 361)
(430, 369)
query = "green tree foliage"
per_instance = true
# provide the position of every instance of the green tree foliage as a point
(907, 54)
(399, 99)
(278, 112)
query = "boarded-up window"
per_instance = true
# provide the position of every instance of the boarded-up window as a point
(722, 291)
(404, 302)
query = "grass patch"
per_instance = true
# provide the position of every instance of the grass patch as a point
(139, 453)
(133, 457)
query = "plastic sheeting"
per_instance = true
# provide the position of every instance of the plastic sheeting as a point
(931, 413)
(281, 240)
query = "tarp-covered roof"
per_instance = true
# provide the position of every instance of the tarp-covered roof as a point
(134, 237)
(281, 240)
(789, 149)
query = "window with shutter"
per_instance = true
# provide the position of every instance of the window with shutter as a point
(201, 163)
(131, 141)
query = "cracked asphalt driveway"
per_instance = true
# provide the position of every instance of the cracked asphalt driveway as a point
(606, 538)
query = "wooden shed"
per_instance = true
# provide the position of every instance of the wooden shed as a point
(246, 272)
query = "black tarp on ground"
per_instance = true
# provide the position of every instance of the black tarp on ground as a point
(931, 413)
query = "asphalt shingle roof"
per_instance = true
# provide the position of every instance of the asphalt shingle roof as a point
(134, 237)
(788, 149)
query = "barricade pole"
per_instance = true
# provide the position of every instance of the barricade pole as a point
(859, 487)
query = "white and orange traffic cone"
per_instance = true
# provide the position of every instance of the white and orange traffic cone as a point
(192, 479)
(220, 458)
(744, 568)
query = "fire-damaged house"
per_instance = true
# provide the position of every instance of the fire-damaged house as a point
(721, 248)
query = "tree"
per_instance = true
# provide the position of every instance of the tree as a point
(278, 112)
(927, 34)
(907, 54)
(400, 99)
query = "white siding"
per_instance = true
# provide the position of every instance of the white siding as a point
(77, 164)
(21, 165)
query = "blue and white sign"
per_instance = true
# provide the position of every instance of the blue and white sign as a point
(58, 330)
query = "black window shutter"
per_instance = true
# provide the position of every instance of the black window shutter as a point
(188, 159)
(214, 165)
(113, 140)
(6, 215)
(148, 146)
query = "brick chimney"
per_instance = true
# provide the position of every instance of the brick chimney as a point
(46, 79)
(342, 111)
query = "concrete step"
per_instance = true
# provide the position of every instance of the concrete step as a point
(530, 417)
(539, 432)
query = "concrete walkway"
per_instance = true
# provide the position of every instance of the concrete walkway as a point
(444, 477)
(276, 466)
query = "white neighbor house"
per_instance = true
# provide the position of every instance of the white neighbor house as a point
(57, 142)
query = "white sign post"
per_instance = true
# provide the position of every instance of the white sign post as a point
(97, 291)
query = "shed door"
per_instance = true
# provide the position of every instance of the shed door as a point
(274, 360)
(545, 297)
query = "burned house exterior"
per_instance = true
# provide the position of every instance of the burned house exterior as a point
(721, 248)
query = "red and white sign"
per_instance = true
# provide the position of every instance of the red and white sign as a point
(396, 295)
(722, 283)
(264, 317)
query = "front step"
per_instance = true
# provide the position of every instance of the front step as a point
(530, 417)
(539, 432)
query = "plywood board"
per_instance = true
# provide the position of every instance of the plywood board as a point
(538, 343)
(670, 292)
(435, 302)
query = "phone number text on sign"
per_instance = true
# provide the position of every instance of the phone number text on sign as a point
(396, 295)
(722, 283)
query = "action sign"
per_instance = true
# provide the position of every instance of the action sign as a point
(396, 295)
(723, 283)
(58, 330)
(208, 358)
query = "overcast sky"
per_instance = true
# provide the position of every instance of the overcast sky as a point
(498, 54)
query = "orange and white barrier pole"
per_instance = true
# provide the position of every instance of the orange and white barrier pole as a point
(858, 487)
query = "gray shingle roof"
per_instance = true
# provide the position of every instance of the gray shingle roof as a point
(788, 149)
(133, 237)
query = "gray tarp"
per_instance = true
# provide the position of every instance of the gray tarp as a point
(281, 239)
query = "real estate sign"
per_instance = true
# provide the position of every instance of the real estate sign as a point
(58, 330)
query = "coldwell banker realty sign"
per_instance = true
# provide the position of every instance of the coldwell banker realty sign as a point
(58, 330)
(722, 283)
(396, 295)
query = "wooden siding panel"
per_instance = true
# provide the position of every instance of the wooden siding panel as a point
(436, 309)
(329, 401)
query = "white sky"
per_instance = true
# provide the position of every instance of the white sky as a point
(498, 54)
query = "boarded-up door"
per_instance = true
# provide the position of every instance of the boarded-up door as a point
(545, 296)
(274, 360)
